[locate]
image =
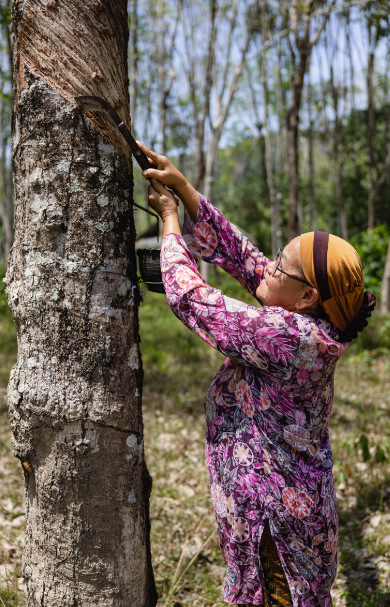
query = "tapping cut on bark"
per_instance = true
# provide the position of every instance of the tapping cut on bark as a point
(77, 49)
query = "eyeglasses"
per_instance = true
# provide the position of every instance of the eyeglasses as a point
(277, 262)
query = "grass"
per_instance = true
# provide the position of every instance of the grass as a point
(188, 565)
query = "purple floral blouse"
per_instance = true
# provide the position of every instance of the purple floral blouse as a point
(267, 411)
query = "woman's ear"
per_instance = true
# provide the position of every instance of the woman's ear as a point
(308, 299)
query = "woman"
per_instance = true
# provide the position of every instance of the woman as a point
(267, 441)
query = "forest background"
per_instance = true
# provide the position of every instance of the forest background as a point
(280, 113)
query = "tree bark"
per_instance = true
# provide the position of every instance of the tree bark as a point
(75, 392)
(311, 193)
(338, 157)
(370, 132)
(280, 142)
(200, 160)
(272, 201)
(385, 290)
(6, 192)
(304, 44)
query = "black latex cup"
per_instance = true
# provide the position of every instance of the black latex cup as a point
(149, 268)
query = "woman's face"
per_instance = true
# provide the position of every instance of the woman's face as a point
(281, 290)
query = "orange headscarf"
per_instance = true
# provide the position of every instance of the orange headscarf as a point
(333, 267)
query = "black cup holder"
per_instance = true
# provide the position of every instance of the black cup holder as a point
(149, 267)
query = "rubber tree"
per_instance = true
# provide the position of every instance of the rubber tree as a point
(385, 288)
(75, 391)
(303, 38)
(6, 192)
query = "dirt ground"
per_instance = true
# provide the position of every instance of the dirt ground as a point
(188, 566)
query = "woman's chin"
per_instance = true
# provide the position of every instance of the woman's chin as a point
(261, 293)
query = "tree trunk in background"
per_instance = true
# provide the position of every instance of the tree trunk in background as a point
(311, 193)
(275, 217)
(370, 133)
(75, 392)
(385, 290)
(299, 61)
(200, 160)
(280, 141)
(6, 191)
(298, 70)
(338, 157)
(294, 227)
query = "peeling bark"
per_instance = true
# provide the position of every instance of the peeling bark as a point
(75, 391)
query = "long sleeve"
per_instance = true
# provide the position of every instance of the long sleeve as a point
(265, 338)
(215, 240)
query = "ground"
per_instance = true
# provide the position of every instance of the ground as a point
(188, 566)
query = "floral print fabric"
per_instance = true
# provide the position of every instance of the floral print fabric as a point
(267, 441)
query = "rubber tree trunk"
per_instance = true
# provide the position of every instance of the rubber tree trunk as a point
(293, 169)
(6, 191)
(272, 200)
(385, 290)
(372, 169)
(311, 167)
(304, 42)
(75, 392)
(338, 157)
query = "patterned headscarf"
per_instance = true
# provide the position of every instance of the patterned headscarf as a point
(333, 267)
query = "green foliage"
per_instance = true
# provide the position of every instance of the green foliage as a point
(8, 595)
(372, 247)
(375, 338)
(369, 450)
(8, 347)
(5, 13)
(355, 169)
(239, 190)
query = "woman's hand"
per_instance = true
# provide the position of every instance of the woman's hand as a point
(162, 201)
(165, 172)
(165, 204)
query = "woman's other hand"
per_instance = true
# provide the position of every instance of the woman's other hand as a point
(165, 172)
(165, 204)
(161, 200)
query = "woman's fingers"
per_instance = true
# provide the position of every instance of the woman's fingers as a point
(163, 192)
(163, 203)
(158, 195)
(158, 186)
(151, 155)
(164, 172)
(156, 159)
(154, 174)
(152, 194)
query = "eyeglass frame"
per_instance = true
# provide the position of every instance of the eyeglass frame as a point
(279, 254)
